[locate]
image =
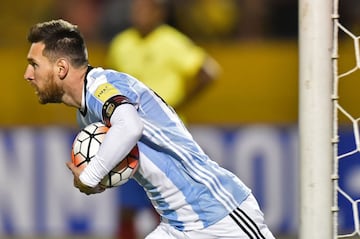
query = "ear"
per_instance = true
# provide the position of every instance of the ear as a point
(62, 68)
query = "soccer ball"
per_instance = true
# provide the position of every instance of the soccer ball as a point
(85, 146)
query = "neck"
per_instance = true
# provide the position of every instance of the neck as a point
(74, 87)
(145, 31)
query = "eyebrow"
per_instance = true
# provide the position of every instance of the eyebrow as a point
(30, 60)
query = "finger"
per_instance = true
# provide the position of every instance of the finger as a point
(70, 165)
(101, 189)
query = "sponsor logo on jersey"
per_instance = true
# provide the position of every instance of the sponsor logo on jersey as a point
(105, 91)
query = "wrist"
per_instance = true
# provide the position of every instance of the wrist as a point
(93, 173)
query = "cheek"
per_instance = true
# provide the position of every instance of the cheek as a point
(43, 76)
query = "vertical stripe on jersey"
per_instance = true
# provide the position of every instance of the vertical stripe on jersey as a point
(177, 217)
(198, 172)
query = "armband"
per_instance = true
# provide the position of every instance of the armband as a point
(110, 105)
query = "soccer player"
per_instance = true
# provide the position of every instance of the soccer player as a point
(169, 63)
(195, 197)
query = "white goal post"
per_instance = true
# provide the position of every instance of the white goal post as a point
(315, 119)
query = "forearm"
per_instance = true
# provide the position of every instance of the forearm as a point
(126, 129)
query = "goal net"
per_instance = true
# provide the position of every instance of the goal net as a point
(346, 138)
(329, 63)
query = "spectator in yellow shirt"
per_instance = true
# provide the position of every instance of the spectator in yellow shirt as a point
(170, 63)
(160, 55)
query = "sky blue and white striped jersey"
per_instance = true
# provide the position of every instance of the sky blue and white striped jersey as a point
(189, 190)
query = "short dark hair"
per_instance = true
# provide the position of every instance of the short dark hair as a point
(61, 39)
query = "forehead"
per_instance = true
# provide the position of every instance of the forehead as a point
(35, 51)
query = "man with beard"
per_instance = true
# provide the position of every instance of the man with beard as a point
(194, 196)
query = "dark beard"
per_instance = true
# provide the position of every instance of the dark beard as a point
(51, 93)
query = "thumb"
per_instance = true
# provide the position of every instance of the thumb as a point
(70, 165)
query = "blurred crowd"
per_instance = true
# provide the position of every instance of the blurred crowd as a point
(205, 20)
(201, 19)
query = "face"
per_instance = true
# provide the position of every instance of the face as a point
(40, 74)
(145, 14)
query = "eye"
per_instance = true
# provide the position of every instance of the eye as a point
(32, 63)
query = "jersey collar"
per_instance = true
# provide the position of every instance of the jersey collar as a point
(83, 109)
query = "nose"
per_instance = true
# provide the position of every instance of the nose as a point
(29, 73)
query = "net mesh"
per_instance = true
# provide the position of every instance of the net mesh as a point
(345, 202)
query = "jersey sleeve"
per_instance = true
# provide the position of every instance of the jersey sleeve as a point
(102, 98)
